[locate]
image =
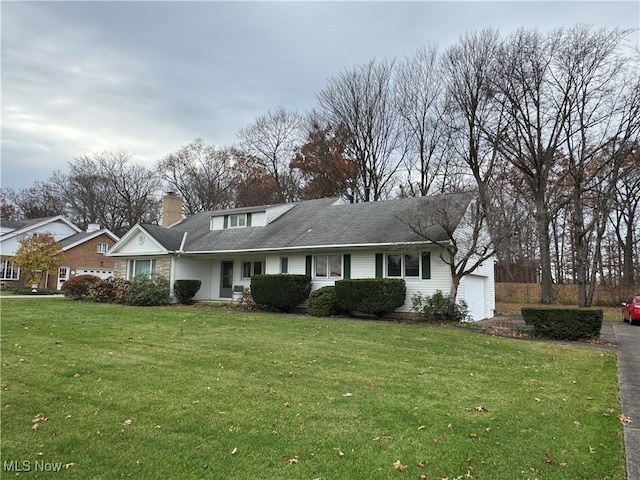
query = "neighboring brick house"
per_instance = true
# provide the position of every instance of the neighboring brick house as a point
(83, 251)
(84, 254)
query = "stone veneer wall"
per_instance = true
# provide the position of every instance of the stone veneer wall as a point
(119, 268)
(163, 267)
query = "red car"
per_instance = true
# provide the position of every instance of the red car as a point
(631, 310)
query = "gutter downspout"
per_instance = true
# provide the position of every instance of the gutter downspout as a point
(173, 264)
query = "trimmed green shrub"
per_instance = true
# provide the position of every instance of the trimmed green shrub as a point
(438, 308)
(323, 302)
(78, 287)
(24, 290)
(148, 292)
(110, 290)
(185, 290)
(564, 323)
(377, 296)
(280, 292)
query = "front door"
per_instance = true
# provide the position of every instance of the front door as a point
(63, 276)
(226, 279)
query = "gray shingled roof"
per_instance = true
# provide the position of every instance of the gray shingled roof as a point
(20, 224)
(169, 238)
(318, 223)
(74, 238)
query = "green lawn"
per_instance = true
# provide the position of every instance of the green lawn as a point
(185, 392)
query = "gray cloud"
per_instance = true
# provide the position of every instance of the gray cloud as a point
(148, 77)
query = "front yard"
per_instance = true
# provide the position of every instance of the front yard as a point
(106, 391)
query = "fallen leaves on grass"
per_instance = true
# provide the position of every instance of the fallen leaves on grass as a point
(127, 422)
(294, 460)
(37, 420)
(399, 466)
(482, 409)
(624, 419)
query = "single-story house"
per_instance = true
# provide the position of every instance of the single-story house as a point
(325, 239)
(83, 251)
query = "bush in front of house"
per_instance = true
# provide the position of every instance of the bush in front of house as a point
(280, 292)
(110, 290)
(148, 291)
(377, 296)
(78, 288)
(323, 302)
(185, 290)
(438, 308)
(564, 323)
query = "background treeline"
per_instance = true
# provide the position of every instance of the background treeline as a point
(544, 126)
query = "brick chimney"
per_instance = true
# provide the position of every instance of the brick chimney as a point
(171, 209)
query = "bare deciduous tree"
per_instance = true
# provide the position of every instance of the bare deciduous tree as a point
(272, 141)
(110, 190)
(419, 88)
(202, 175)
(42, 199)
(362, 102)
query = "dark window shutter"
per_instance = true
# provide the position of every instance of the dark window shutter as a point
(347, 266)
(248, 219)
(307, 266)
(226, 222)
(379, 265)
(426, 265)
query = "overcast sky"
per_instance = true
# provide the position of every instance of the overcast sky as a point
(149, 77)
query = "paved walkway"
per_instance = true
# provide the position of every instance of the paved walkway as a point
(627, 340)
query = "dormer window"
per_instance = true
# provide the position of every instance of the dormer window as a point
(238, 220)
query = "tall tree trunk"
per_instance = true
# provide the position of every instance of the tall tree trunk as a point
(547, 294)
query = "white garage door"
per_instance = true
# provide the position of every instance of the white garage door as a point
(474, 293)
(98, 272)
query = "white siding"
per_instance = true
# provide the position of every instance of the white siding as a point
(217, 223)
(362, 266)
(59, 230)
(486, 273)
(133, 247)
(274, 212)
(190, 268)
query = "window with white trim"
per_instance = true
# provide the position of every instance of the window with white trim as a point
(238, 220)
(8, 271)
(251, 268)
(284, 264)
(403, 265)
(146, 267)
(328, 266)
(102, 248)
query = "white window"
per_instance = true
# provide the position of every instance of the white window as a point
(251, 268)
(328, 266)
(8, 271)
(141, 267)
(102, 248)
(237, 221)
(403, 265)
(284, 264)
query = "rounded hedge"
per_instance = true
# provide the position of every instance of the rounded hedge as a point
(79, 287)
(280, 292)
(185, 290)
(377, 296)
(147, 292)
(323, 302)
